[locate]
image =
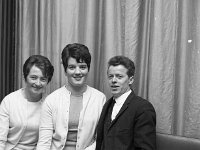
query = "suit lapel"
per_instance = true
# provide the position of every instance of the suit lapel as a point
(104, 114)
(105, 111)
(124, 107)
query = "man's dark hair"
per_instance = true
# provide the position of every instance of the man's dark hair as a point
(125, 61)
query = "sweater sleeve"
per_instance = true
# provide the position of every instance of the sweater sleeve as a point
(4, 122)
(46, 128)
(91, 147)
(145, 128)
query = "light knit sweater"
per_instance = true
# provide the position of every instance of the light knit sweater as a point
(19, 122)
(55, 117)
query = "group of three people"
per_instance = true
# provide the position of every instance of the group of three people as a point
(76, 116)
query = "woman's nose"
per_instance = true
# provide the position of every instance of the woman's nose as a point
(77, 70)
(38, 82)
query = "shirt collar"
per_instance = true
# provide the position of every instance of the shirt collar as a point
(120, 100)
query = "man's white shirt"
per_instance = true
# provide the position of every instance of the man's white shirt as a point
(118, 104)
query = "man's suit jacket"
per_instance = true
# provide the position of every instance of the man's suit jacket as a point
(134, 127)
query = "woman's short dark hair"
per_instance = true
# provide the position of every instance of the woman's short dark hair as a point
(42, 63)
(125, 61)
(77, 51)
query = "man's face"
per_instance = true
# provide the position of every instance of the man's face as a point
(118, 80)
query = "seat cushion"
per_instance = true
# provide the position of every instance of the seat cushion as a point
(171, 142)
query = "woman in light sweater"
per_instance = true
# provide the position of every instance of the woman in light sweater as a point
(71, 113)
(20, 110)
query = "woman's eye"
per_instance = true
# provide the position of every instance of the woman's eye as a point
(83, 67)
(71, 67)
(33, 78)
(44, 79)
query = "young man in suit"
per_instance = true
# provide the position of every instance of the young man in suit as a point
(127, 121)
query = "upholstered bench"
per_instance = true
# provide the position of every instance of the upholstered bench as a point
(171, 142)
